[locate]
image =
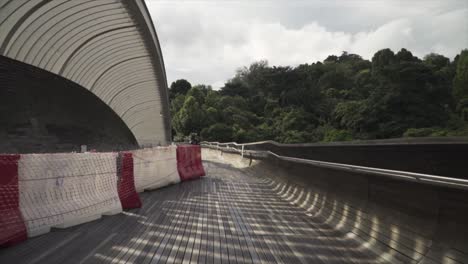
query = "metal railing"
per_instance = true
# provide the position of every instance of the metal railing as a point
(396, 174)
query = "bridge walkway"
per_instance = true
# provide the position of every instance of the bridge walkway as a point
(228, 216)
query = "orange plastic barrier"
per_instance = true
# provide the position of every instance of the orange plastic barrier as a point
(126, 183)
(189, 162)
(12, 226)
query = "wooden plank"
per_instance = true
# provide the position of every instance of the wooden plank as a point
(229, 217)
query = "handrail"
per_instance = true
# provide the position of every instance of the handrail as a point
(402, 175)
(394, 141)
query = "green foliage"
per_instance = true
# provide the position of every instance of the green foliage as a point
(420, 132)
(382, 59)
(334, 135)
(177, 103)
(342, 98)
(436, 132)
(190, 118)
(460, 85)
(217, 132)
(199, 93)
(436, 60)
(179, 87)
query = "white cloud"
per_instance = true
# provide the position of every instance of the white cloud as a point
(206, 41)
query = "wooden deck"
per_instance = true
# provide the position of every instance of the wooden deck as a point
(225, 217)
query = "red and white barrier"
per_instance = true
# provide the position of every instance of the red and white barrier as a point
(155, 167)
(63, 190)
(126, 183)
(41, 191)
(189, 162)
(12, 227)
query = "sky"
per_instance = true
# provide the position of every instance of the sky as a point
(205, 42)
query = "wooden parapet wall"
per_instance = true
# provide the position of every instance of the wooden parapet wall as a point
(400, 221)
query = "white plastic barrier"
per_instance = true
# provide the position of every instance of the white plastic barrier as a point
(66, 189)
(155, 167)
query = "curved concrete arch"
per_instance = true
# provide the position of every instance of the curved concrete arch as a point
(102, 60)
(18, 12)
(44, 57)
(120, 86)
(147, 81)
(48, 17)
(112, 63)
(142, 117)
(34, 24)
(143, 124)
(100, 43)
(128, 87)
(42, 26)
(55, 60)
(134, 107)
(56, 33)
(110, 85)
(136, 111)
(97, 78)
(85, 63)
(137, 124)
(93, 50)
(9, 9)
(139, 129)
(109, 47)
(138, 108)
(125, 97)
(116, 66)
(114, 75)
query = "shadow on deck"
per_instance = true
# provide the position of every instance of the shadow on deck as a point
(228, 216)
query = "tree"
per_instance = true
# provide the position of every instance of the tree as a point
(436, 60)
(406, 95)
(199, 92)
(383, 58)
(460, 85)
(405, 55)
(177, 103)
(235, 87)
(190, 118)
(179, 87)
(351, 115)
(346, 97)
(217, 132)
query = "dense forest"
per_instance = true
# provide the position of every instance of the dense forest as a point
(342, 98)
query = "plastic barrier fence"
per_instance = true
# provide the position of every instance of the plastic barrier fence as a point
(62, 190)
(189, 163)
(41, 191)
(12, 227)
(126, 184)
(155, 167)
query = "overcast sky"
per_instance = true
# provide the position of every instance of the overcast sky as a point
(206, 41)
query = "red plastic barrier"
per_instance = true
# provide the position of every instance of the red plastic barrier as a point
(189, 162)
(126, 185)
(12, 226)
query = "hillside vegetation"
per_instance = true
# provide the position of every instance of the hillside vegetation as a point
(342, 98)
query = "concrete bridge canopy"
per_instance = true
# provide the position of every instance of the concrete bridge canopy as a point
(108, 47)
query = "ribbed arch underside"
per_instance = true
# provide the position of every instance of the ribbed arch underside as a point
(109, 47)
